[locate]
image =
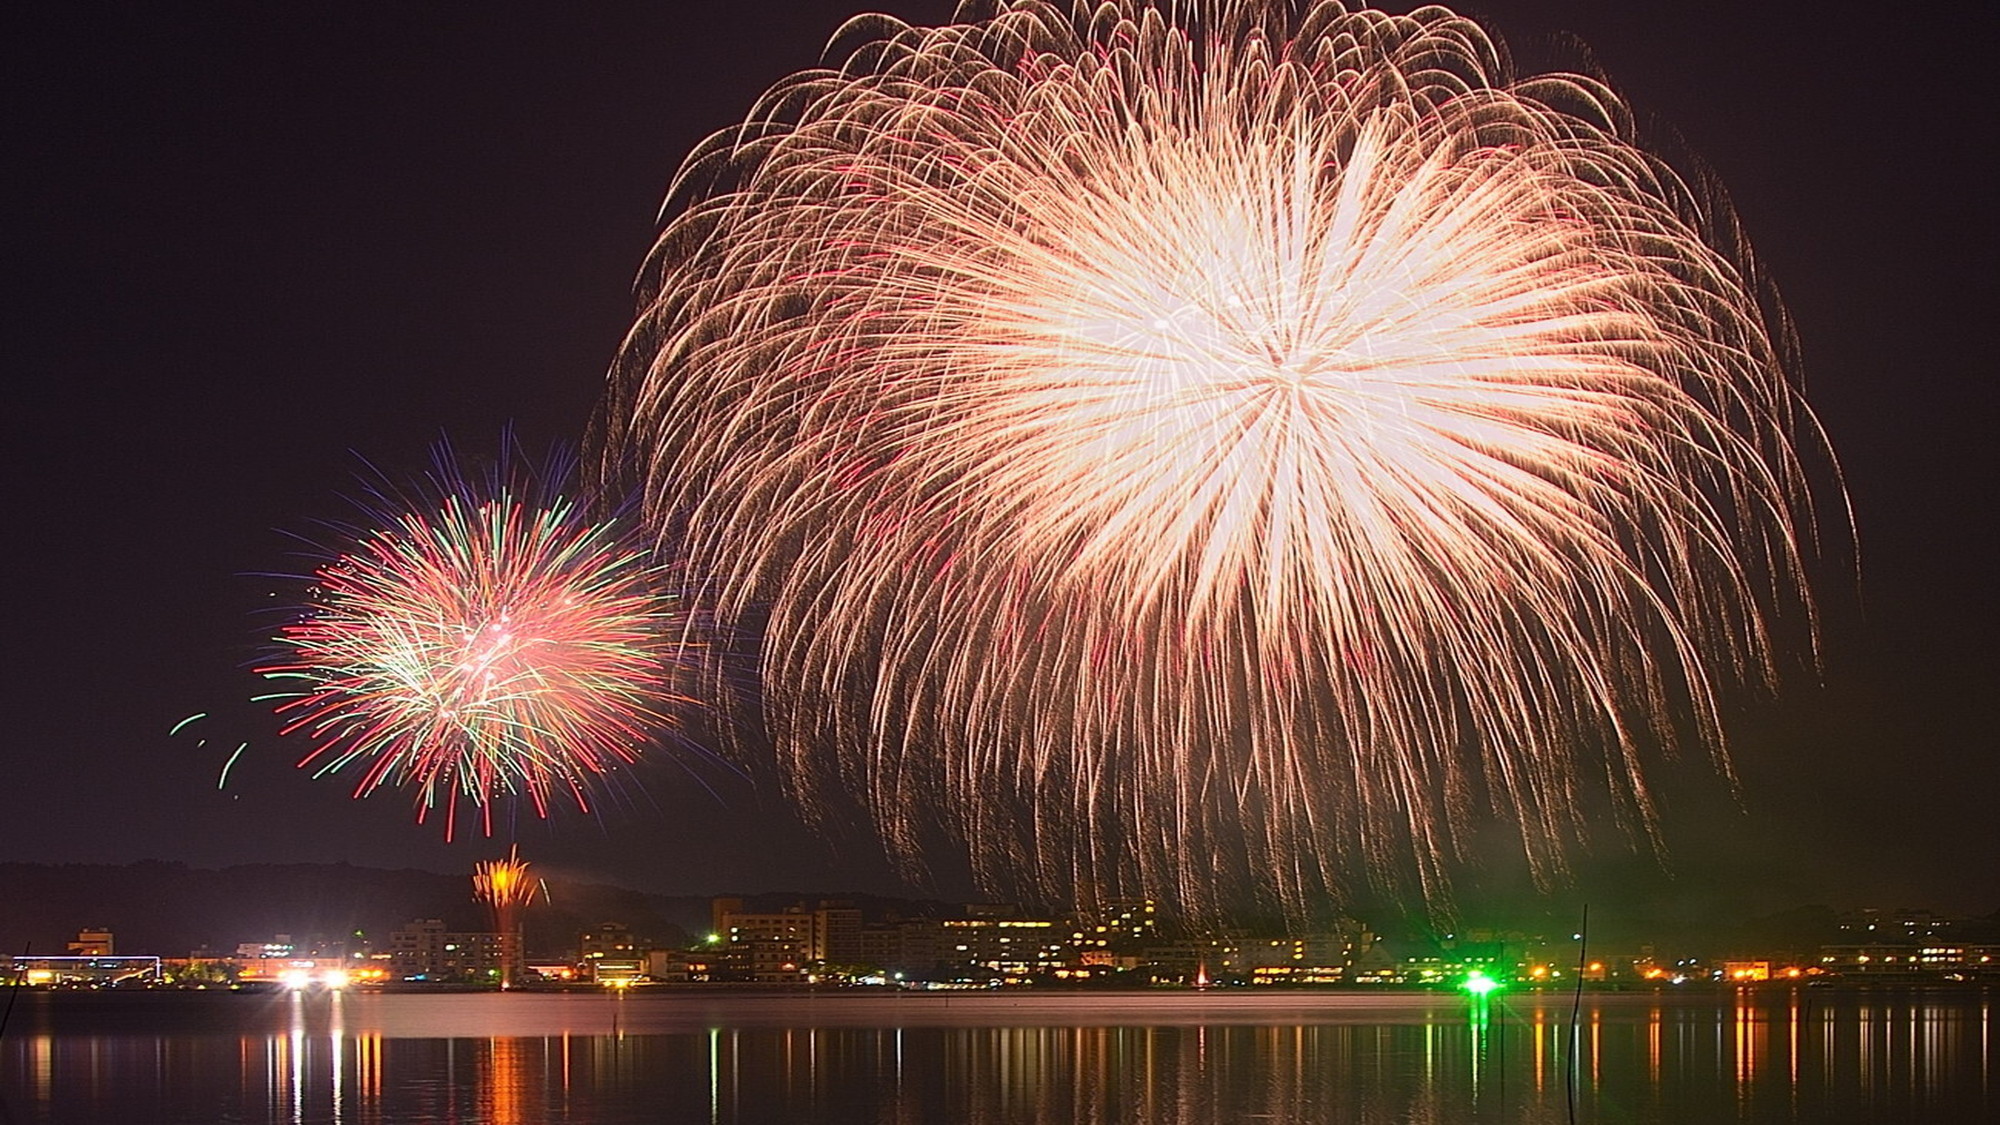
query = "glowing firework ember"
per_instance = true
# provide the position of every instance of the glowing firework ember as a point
(1186, 453)
(483, 640)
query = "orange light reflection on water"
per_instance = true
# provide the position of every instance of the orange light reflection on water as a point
(1883, 1056)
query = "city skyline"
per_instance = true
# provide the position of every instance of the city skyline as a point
(178, 914)
(262, 249)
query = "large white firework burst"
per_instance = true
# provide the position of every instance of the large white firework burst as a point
(1202, 448)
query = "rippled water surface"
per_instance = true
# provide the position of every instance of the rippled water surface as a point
(905, 1058)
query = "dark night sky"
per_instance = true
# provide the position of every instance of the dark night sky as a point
(251, 241)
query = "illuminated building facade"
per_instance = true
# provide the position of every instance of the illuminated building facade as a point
(84, 970)
(97, 942)
(772, 947)
(423, 950)
(1007, 948)
(1937, 959)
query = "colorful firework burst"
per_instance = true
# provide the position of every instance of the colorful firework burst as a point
(484, 639)
(1183, 448)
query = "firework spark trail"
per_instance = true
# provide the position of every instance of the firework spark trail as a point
(1185, 454)
(483, 639)
(503, 885)
(222, 779)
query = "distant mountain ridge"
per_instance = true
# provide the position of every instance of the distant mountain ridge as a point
(171, 909)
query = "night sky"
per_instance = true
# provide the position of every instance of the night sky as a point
(253, 243)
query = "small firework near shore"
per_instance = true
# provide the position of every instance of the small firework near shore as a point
(482, 637)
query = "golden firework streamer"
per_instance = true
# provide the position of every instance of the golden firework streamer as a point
(506, 888)
(503, 884)
(1195, 449)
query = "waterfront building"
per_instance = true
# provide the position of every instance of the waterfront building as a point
(772, 947)
(1011, 949)
(838, 928)
(423, 950)
(793, 942)
(677, 966)
(611, 941)
(912, 947)
(1920, 960)
(301, 972)
(618, 971)
(1118, 922)
(93, 942)
(85, 969)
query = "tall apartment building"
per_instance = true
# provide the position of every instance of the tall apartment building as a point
(770, 946)
(424, 950)
(789, 943)
(1007, 947)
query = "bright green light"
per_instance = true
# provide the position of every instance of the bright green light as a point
(1479, 984)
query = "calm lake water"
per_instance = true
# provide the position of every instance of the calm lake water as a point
(905, 1058)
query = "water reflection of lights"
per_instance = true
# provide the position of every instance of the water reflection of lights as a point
(1653, 1033)
(336, 1038)
(1747, 1028)
(1794, 1016)
(505, 1079)
(315, 1069)
(297, 1054)
(1541, 1038)
(1165, 1075)
(1758, 1054)
(1596, 1047)
(715, 1074)
(42, 1065)
(368, 1069)
(1479, 1016)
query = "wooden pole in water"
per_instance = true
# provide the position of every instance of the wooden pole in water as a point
(1576, 1012)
